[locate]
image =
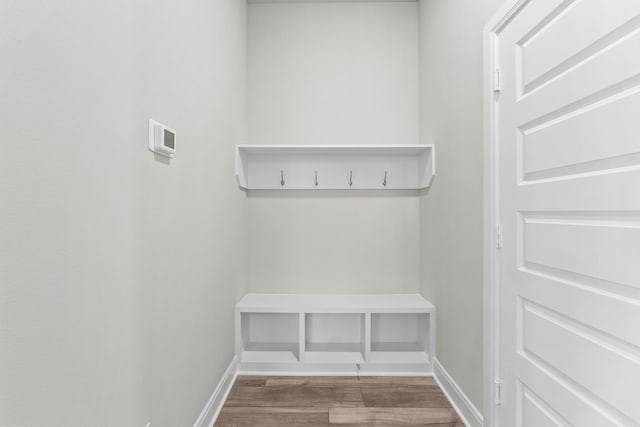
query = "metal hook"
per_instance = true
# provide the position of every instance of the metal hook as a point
(315, 180)
(350, 178)
(282, 178)
(384, 181)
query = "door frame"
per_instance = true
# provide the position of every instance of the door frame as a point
(491, 285)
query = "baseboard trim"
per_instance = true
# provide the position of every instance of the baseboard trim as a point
(461, 403)
(214, 405)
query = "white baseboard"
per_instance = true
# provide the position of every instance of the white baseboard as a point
(461, 403)
(213, 407)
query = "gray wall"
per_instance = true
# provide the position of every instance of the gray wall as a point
(333, 73)
(119, 272)
(451, 211)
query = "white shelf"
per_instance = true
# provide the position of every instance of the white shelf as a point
(296, 333)
(285, 347)
(268, 357)
(414, 357)
(350, 357)
(390, 347)
(325, 303)
(334, 347)
(335, 167)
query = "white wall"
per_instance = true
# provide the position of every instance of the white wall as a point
(333, 73)
(118, 271)
(451, 212)
(96, 326)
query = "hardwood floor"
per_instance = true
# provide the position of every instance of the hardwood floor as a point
(336, 401)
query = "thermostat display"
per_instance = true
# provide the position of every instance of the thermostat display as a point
(169, 139)
(162, 140)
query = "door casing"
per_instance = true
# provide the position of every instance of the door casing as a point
(491, 289)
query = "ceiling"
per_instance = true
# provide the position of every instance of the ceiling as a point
(327, 1)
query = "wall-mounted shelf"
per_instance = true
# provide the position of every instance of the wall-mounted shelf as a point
(335, 333)
(329, 167)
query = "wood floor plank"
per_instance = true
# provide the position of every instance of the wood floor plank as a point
(388, 424)
(404, 397)
(251, 380)
(256, 401)
(295, 396)
(352, 381)
(272, 417)
(393, 417)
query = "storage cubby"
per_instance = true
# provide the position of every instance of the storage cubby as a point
(400, 337)
(270, 337)
(334, 337)
(388, 333)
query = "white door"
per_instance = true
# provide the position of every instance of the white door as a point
(568, 143)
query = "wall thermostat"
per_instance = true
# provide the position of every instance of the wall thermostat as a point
(162, 140)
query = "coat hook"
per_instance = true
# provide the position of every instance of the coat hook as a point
(384, 181)
(350, 178)
(282, 178)
(315, 180)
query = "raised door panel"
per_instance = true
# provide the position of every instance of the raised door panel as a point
(569, 174)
